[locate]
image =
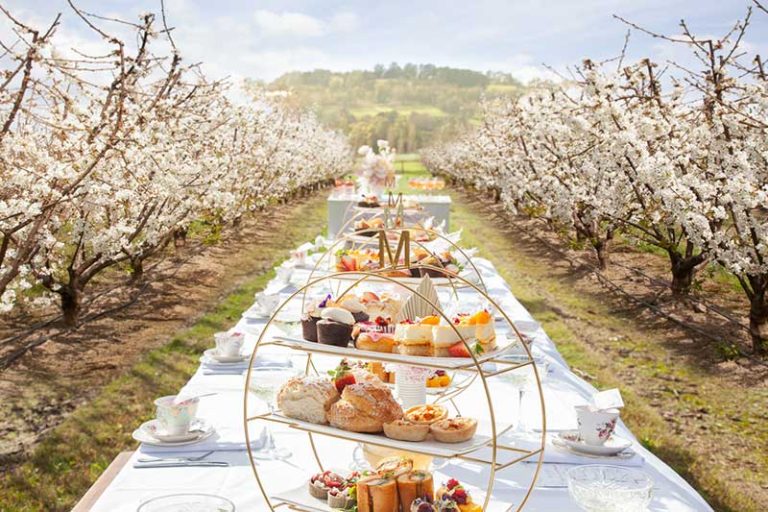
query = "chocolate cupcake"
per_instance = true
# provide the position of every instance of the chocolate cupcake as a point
(309, 327)
(354, 306)
(335, 327)
(311, 317)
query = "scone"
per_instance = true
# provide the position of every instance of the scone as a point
(307, 399)
(345, 416)
(364, 407)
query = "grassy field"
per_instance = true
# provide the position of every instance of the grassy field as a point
(68, 461)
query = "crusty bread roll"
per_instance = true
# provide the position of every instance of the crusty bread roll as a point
(375, 401)
(343, 415)
(307, 399)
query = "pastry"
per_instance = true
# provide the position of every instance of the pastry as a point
(377, 369)
(405, 430)
(354, 306)
(393, 467)
(376, 401)
(321, 483)
(423, 504)
(311, 317)
(415, 337)
(454, 492)
(307, 399)
(377, 494)
(375, 341)
(454, 430)
(439, 379)
(426, 414)
(485, 330)
(364, 407)
(443, 338)
(385, 306)
(343, 415)
(335, 327)
(345, 496)
(413, 485)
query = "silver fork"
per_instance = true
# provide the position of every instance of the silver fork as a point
(175, 459)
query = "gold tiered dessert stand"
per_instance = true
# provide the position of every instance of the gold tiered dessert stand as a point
(484, 367)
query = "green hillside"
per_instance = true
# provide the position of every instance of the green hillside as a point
(410, 105)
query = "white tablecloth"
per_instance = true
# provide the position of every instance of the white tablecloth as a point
(562, 390)
(341, 208)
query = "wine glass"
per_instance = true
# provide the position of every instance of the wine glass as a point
(265, 383)
(522, 379)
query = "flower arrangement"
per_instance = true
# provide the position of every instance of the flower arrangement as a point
(377, 170)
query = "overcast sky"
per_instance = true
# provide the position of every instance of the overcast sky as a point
(264, 39)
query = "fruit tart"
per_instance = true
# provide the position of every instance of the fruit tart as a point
(454, 492)
(321, 483)
(454, 430)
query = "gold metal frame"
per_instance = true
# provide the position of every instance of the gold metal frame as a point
(475, 366)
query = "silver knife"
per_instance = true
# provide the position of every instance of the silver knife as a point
(181, 464)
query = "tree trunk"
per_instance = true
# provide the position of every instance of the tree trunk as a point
(137, 269)
(758, 321)
(601, 251)
(180, 238)
(71, 303)
(683, 269)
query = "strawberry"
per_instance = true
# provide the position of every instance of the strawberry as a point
(450, 484)
(458, 350)
(342, 376)
(349, 263)
(369, 297)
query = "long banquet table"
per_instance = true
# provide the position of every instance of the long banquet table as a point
(562, 390)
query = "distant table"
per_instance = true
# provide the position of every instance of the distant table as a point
(341, 208)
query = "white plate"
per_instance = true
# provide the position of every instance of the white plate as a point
(505, 345)
(427, 447)
(144, 434)
(612, 447)
(211, 356)
(255, 313)
(300, 498)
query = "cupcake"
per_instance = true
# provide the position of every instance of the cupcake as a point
(335, 327)
(354, 306)
(311, 317)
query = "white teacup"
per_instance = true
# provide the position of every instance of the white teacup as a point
(176, 418)
(596, 426)
(299, 257)
(229, 344)
(267, 302)
(284, 274)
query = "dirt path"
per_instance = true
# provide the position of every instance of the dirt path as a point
(702, 414)
(52, 380)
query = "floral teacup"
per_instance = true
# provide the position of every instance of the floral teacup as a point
(596, 426)
(175, 418)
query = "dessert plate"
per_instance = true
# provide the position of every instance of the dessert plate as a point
(150, 433)
(211, 356)
(613, 447)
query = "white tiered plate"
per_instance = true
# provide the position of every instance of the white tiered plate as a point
(427, 447)
(505, 345)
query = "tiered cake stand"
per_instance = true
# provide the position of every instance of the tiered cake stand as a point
(483, 449)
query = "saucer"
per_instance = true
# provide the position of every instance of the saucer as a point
(150, 432)
(612, 447)
(212, 356)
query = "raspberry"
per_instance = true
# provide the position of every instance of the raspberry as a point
(452, 483)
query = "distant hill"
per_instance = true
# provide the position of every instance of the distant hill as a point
(411, 105)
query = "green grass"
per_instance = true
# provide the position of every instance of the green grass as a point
(62, 467)
(617, 352)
